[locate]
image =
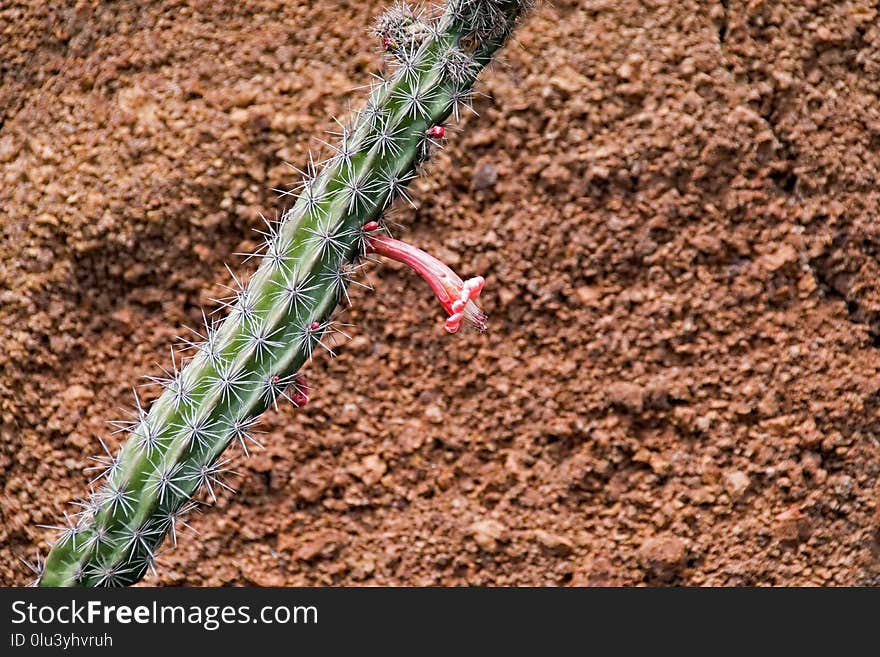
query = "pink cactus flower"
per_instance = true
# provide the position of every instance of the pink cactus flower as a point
(457, 297)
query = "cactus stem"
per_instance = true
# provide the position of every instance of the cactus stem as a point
(416, 101)
(397, 188)
(387, 138)
(197, 430)
(231, 380)
(108, 574)
(358, 188)
(310, 337)
(100, 537)
(260, 342)
(294, 290)
(138, 539)
(208, 475)
(327, 240)
(274, 248)
(117, 498)
(167, 480)
(243, 431)
(279, 387)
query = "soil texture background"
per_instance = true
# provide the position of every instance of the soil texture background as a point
(675, 205)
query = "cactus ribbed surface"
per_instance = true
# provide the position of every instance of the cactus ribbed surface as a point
(277, 320)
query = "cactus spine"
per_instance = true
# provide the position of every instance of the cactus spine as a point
(276, 321)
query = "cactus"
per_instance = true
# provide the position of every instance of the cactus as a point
(276, 321)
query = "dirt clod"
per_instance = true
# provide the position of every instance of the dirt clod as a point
(736, 483)
(487, 534)
(485, 176)
(663, 557)
(792, 526)
(628, 396)
(554, 543)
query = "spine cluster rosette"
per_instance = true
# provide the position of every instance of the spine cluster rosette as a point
(278, 319)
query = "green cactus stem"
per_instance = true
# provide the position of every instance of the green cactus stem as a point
(277, 320)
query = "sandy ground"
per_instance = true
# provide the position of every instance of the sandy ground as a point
(675, 205)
